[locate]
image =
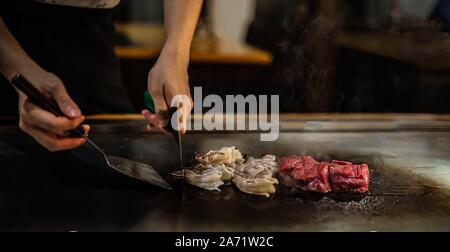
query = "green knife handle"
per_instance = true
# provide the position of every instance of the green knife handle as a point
(149, 104)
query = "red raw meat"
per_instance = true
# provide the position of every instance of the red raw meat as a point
(289, 163)
(309, 175)
(349, 178)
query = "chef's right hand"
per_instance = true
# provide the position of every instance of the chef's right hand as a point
(47, 129)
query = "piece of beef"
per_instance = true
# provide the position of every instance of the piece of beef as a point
(289, 163)
(308, 174)
(349, 178)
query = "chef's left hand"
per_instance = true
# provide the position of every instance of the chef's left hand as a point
(167, 80)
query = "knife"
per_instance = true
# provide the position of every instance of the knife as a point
(150, 105)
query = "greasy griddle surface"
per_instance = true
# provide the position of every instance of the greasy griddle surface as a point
(397, 200)
(71, 191)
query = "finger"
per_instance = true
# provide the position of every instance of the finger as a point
(151, 118)
(54, 143)
(170, 100)
(155, 122)
(86, 129)
(46, 120)
(158, 98)
(83, 132)
(65, 103)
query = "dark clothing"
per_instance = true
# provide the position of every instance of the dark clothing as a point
(76, 44)
(442, 14)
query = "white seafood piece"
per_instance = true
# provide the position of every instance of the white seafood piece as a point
(212, 186)
(255, 176)
(209, 179)
(204, 177)
(264, 167)
(257, 186)
(227, 172)
(228, 156)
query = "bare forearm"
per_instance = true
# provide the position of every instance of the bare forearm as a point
(12, 57)
(169, 76)
(180, 19)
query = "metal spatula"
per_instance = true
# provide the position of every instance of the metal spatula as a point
(137, 170)
(128, 167)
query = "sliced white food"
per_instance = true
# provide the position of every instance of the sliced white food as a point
(257, 186)
(228, 156)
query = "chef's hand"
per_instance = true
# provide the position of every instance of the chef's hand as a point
(168, 85)
(46, 128)
(169, 76)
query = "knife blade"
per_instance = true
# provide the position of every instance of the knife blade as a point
(177, 135)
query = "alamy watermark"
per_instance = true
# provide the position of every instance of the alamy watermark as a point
(260, 117)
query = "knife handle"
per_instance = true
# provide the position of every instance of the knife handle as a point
(150, 105)
(37, 98)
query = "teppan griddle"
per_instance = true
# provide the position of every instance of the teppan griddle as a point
(410, 185)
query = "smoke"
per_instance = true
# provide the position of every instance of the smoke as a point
(308, 63)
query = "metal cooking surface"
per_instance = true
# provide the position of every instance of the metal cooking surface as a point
(410, 185)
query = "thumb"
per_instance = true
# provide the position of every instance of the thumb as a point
(65, 103)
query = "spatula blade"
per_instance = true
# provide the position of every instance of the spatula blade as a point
(140, 171)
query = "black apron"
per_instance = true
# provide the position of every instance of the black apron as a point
(76, 44)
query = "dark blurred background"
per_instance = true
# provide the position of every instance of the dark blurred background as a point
(325, 55)
(318, 55)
